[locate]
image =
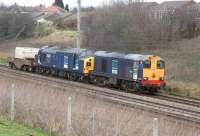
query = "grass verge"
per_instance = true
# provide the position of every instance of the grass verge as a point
(9, 128)
(3, 60)
(183, 89)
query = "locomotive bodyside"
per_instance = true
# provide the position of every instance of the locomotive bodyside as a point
(113, 69)
(67, 63)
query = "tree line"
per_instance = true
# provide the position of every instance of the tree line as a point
(132, 27)
(15, 25)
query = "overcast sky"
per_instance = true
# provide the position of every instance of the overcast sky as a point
(72, 3)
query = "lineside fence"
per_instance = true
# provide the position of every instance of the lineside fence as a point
(74, 124)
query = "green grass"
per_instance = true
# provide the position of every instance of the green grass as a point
(3, 60)
(9, 128)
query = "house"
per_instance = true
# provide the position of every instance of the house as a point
(194, 11)
(23, 9)
(170, 7)
(30, 9)
(54, 9)
(146, 4)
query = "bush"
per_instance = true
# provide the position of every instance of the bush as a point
(183, 89)
(44, 29)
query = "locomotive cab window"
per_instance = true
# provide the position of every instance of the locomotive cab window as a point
(48, 58)
(160, 64)
(147, 64)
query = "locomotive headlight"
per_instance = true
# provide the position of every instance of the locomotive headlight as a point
(145, 78)
(161, 78)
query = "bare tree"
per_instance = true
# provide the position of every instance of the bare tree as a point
(12, 25)
(123, 26)
(3, 7)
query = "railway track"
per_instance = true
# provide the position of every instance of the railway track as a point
(180, 99)
(171, 106)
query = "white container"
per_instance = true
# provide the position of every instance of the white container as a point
(25, 52)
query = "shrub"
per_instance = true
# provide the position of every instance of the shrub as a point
(183, 89)
(44, 29)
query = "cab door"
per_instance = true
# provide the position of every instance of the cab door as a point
(135, 70)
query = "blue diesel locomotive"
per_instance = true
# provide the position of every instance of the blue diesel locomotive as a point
(126, 71)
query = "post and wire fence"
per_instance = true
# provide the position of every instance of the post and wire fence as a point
(70, 131)
(12, 103)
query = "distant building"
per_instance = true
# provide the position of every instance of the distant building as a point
(23, 9)
(54, 9)
(39, 8)
(145, 4)
(174, 7)
(15, 9)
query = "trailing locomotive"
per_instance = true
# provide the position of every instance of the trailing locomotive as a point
(68, 63)
(124, 71)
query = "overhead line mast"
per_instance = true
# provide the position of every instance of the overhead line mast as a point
(78, 44)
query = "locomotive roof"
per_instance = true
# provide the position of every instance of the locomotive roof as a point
(100, 53)
(52, 49)
(109, 54)
(136, 57)
(73, 50)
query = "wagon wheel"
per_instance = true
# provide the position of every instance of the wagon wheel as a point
(24, 68)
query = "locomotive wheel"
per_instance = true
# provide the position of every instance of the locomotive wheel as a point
(124, 87)
(30, 69)
(41, 71)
